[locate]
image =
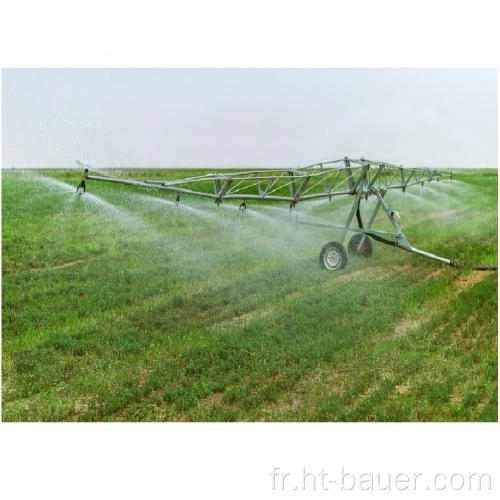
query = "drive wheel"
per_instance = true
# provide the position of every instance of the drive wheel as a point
(366, 248)
(333, 256)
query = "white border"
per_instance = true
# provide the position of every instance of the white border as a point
(216, 460)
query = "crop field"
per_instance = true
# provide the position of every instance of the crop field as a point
(118, 306)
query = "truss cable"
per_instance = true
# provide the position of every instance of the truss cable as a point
(376, 237)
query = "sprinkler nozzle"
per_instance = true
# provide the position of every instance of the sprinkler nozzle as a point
(243, 206)
(80, 189)
(177, 199)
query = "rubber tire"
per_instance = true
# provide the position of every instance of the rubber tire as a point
(341, 255)
(366, 249)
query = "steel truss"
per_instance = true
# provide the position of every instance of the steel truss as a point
(344, 177)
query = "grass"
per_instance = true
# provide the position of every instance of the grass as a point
(133, 310)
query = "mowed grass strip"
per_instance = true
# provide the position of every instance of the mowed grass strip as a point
(147, 313)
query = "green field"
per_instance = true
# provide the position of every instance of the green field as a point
(118, 306)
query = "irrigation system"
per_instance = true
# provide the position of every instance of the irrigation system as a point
(357, 178)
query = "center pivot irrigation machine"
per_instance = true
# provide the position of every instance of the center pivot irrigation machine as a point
(344, 177)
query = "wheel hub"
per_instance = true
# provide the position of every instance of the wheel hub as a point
(332, 258)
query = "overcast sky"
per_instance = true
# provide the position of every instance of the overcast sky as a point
(259, 118)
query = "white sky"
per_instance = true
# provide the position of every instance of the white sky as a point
(241, 118)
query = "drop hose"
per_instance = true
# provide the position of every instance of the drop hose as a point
(385, 241)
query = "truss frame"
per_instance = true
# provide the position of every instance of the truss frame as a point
(351, 177)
